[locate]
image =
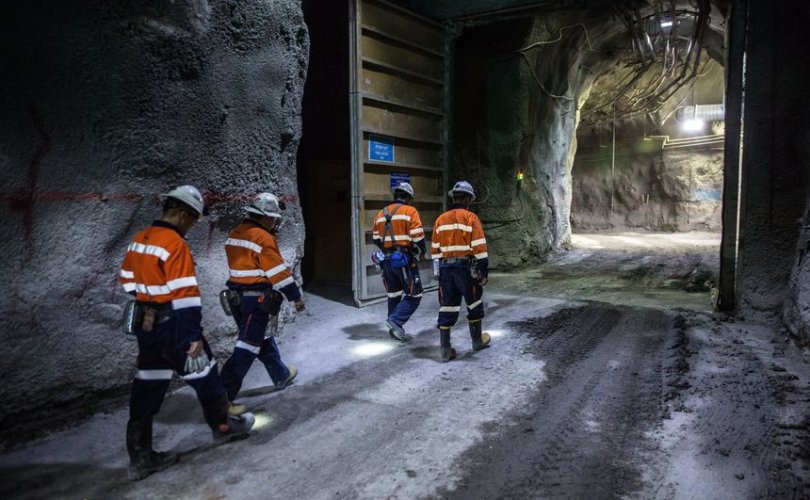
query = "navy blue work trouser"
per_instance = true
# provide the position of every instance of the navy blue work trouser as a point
(455, 282)
(161, 353)
(404, 288)
(251, 344)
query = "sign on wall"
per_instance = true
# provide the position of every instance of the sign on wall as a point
(397, 177)
(381, 149)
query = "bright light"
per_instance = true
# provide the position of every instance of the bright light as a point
(375, 348)
(262, 420)
(496, 333)
(666, 23)
(693, 125)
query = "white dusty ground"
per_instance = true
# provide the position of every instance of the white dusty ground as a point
(646, 394)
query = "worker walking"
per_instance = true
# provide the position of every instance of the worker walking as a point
(459, 246)
(397, 231)
(258, 278)
(159, 270)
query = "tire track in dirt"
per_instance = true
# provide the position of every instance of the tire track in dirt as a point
(582, 433)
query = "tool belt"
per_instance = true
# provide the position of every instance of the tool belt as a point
(270, 301)
(399, 257)
(144, 316)
(467, 262)
(456, 260)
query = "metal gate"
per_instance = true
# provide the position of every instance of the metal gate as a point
(398, 98)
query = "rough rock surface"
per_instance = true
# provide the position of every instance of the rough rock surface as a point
(105, 105)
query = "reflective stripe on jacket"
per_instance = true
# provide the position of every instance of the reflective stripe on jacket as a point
(254, 257)
(406, 226)
(458, 233)
(158, 268)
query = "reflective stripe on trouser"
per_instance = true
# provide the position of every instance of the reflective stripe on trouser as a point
(160, 355)
(455, 283)
(252, 344)
(404, 289)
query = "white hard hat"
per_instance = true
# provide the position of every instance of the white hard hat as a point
(187, 194)
(404, 187)
(266, 204)
(462, 187)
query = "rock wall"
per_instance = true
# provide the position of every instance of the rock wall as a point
(105, 104)
(516, 108)
(796, 313)
(664, 191)
(775, 165)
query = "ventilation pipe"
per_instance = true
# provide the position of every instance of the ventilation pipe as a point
(702, 112)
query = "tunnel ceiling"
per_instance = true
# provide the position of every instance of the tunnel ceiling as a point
(647, 64)
(453, 9)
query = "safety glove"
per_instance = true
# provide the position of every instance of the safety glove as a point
(196, 364)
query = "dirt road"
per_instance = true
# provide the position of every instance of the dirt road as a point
(638, 395)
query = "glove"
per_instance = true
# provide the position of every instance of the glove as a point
(197, 364)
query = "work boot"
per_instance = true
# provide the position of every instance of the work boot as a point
(448, 352)
(284, 383)
(479, 340)
(236, 409)
(143, 460)
(397, 332)
(234, 429)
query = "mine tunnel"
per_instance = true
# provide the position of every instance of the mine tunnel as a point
(640, 172)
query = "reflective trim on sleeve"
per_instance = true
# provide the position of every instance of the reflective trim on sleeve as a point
(449, 309)
(154, 374)
(474, 304)
(127, 274)
(244, 244)
(450, 227)
(157, 251)
(186, 302)
(182, 282)
(286, 281)
(418, 231)
(417, 240)
(129, 287)
(396, 294)
(244, 345)
(435, 244)
(236, 273)
(202, 374)
(475, 243)
(274, 271)
(482, 255)
(437, 256)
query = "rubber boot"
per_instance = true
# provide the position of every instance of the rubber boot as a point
(143, 460)
(448, 352)
(224, 427)
(479, 340)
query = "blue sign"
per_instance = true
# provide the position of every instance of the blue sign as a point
(397, 177)
(380, 149)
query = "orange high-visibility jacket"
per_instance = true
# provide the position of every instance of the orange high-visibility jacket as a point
(458, 233)
(254, 258)
(406, 226)
(158, 268)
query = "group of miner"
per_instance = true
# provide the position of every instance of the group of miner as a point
(165, 318)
